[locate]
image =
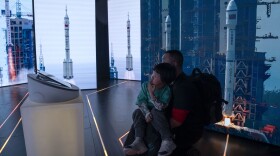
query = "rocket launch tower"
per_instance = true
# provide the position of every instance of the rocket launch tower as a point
(129, 64)
(67, 63)
(41, 59)
(231, 21)
(8, 15)
(113, 69)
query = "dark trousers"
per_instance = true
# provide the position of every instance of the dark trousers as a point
(159, 122)
(153, 140)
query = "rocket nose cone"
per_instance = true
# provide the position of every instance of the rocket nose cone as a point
(167, 19)
(231, 5)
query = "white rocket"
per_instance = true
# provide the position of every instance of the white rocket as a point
(168, 33)
(231, 21)
(67, 63)
(129, 65)
(11, 66)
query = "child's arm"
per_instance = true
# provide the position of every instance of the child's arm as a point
(153, 99)
(143, 107)
(158, 104)
(146, 112)
(142, 100)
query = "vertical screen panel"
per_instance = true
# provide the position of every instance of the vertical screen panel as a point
(65, 40)
(16, 38)
(124, 39)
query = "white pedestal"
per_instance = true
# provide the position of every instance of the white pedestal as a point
(53, 129)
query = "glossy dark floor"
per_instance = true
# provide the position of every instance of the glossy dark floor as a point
(108, 112)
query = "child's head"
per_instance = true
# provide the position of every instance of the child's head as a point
(163, 73)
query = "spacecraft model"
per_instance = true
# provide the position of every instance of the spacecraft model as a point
(129, 63)
(67, 63)
(168, 33)
(231, 21)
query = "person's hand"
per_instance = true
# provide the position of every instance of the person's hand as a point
(151, 89)
(148, 117)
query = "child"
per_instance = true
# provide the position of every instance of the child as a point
(152, 101)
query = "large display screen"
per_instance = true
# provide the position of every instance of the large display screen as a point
(124, 39)
(65, 40)
(249, 77)
(17, 39)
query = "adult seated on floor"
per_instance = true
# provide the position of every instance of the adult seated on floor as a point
(184, 113)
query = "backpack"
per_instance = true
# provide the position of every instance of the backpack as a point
(210, 93)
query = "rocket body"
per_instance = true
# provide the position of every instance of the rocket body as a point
(9, 48)
(231, 21)
(129, 63)
(168, 33)
(67, 63)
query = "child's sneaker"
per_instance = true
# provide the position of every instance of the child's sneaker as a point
(137, 147)
(166, 148)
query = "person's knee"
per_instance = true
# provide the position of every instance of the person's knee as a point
(155, 111)
(158, 114)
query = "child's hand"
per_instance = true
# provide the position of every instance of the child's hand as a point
(148, 117)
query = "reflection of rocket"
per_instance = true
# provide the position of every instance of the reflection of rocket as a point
(231, 21)
(129, 64)
(67, 63)
(168, 33)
